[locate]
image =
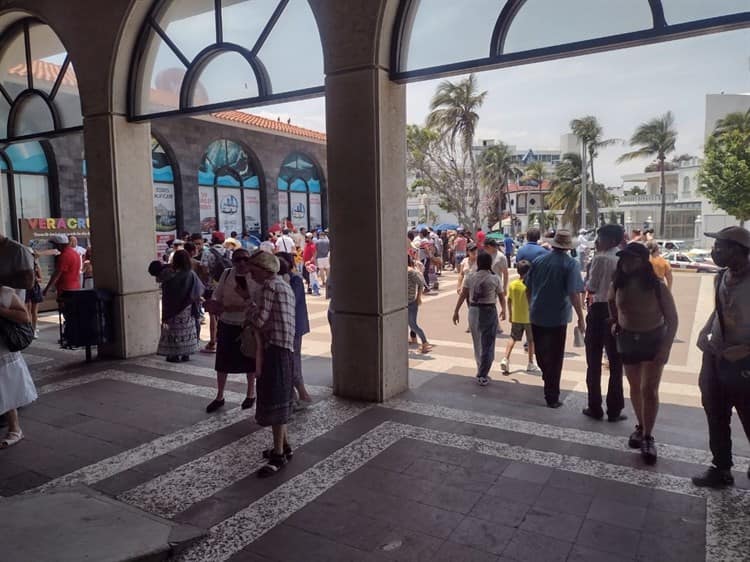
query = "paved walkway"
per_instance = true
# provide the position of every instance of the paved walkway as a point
(446, 471)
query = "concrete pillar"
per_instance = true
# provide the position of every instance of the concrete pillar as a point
(367, 202)
(121, 209)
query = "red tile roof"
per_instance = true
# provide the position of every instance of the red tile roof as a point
(44, 71)
(263, 123)
(512, 187)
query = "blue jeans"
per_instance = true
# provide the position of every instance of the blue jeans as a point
(413, 309)
(483, 326)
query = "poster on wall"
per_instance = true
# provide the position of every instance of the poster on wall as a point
(252, 210)
(165, 216)
(299, 209)
(35, 234)
(207, 202)
(230, 210)
(283, 205)
(316, 211)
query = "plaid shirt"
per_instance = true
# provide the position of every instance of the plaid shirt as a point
(275, 314)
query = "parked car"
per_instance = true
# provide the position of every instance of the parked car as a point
(680, 260)
(671, 245)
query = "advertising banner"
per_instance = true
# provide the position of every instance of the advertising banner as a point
(230, 210)
(165, 216)
(252, 210)
(35, 234)
(316, 211)
(207, 203)
(299, 209)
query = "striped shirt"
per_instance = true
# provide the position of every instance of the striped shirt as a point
(276, 313)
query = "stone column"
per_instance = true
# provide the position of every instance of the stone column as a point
(121, 209)
(367, 212)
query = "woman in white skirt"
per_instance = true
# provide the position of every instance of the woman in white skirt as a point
(16, 385)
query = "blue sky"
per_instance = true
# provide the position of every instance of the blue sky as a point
(530, 106)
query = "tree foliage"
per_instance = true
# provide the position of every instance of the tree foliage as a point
(725, 176)
(440, 154)
(495, 168)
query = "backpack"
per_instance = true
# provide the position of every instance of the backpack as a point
(221, 263)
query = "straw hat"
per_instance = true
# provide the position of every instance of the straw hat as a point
(562, 240)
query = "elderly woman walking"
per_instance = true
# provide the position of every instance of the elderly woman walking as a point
(181, 295)
(274, 318)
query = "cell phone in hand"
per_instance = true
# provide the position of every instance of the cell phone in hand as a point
(241, 282)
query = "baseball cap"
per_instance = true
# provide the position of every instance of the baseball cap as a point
(735, 234)
(636, 249)
(218, 237)
(61, 239)
(491, 242)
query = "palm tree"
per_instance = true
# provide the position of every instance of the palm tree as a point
(590, 133)
(567, 188)
(737, 121)
(655, 138)
(535, 171)
(453, 112)
(495, 168)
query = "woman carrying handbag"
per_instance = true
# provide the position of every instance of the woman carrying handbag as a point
(644, 324)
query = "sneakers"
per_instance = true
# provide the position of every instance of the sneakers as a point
(483, 381)
(504, 367)
(36, 334)
(715, 478)
(532, 369)
(635, 439)
(648, 450)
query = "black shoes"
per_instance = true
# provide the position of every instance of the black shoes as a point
(215, 405)
(715, 478)
(648, 450)
(248, 403)
(592, 414)
(616, 418)
(554, 405)
(634, 442)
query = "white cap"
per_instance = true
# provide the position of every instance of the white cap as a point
(61, 239)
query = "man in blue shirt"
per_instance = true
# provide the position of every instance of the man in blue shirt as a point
(509, 247)
(531, 250)
(554, 286)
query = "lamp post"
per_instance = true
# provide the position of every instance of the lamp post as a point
(698, 231)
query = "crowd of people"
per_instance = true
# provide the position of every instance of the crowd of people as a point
(255, 300)
(622, 300)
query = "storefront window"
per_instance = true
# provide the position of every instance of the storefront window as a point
(25, 185)
(300, 196)
(229, 190)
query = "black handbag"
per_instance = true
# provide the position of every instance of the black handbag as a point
(640, 346)
(17, 336)
(734, 373)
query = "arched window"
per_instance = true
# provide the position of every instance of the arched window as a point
(441, 37)
(229, 187)
(686, 185)
(26, 191)
(165, 208)
(300, 196)
(213, 54)
(38, 87)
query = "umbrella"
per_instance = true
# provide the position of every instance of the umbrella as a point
(419, 227)
(497, 235)
(446, 226)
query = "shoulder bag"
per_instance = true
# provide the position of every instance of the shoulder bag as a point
(16, 335)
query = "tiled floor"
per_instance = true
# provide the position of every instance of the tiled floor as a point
(448, 471)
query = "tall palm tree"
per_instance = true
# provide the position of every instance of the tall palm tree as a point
(535, 171)
(567, 187)
(737, 121)
(590, 133)
(655, 138)
(495, 169)
(453, 112)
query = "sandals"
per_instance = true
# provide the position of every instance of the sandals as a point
(215, 405)
(11, 439)
(288, 453)
(426, 348)
(274, 464)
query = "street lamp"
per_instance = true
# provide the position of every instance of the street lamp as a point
(698, 231)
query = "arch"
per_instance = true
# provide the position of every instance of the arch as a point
(179, 40)
(38, 87)
(29, 184)
(428, 42)
(301, 191)
(231, 188)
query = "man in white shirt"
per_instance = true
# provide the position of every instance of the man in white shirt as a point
(598, 330)
(285, 244)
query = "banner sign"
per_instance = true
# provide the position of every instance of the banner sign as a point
(165, 215)
(207, 200)
(316, 211)
(299, 209)
(230, 210)
(252, 210)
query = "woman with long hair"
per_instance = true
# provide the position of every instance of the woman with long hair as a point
(482, 289)
(414, 301)
(181, 295)
(644, 324)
